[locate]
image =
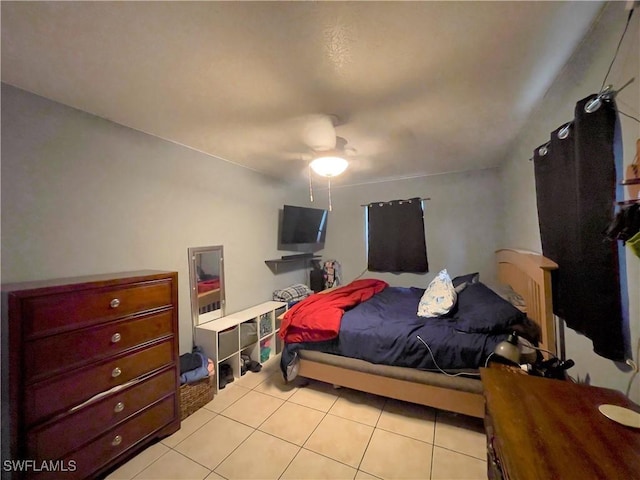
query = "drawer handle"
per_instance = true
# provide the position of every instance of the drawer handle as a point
(116, 372)
(115, 303)
(117, 440)
(116, 337)
(119, 407)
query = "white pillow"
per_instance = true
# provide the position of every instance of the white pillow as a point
(439, 297)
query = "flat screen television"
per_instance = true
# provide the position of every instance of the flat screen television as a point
(302, 229)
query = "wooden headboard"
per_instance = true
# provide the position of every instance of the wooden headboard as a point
(529, 274)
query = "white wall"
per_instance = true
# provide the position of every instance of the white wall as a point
(461, 223)
(581, 77)
(82, 195)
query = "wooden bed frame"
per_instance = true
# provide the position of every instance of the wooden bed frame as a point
(209, 297)
(527, 273)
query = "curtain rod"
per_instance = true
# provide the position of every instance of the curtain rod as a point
(423, 199)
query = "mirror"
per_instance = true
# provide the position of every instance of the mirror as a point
(206, 280)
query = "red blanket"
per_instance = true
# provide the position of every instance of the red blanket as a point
(318, 317)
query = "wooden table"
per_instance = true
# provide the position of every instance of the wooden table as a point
(540, 428)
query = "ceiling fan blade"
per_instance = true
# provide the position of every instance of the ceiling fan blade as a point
(341, 143)
(291, 156)
(319, 132)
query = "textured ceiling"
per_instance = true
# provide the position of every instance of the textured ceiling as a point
(418, 88)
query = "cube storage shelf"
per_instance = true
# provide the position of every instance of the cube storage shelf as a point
(253, 332)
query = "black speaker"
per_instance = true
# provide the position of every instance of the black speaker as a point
(316, 280)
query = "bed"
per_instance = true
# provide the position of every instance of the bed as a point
(528, 274)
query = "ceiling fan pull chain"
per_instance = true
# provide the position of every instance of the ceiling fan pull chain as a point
(310, 183)
(329, 180)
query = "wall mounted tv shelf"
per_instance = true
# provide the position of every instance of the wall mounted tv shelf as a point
(288, 260)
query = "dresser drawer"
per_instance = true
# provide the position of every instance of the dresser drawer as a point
(58, 439)
(48, 397)
(107, 447)
(51, 355)
(55, 313)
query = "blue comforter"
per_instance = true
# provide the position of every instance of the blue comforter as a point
(387, 330)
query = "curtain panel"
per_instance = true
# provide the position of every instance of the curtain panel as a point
(396, 237)
(576, 190)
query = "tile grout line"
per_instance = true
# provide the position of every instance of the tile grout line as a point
(200, 427)
(301, 447)
(338, 394)
(444, 413)
(384, 404)
(146, 466)
(355, 421)
(313, 431)
(255, 429)
(461, 453)
(218, 414)
(188, 457)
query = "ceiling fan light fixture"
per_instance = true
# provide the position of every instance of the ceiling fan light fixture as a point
(329, 165)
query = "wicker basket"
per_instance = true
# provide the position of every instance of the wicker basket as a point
(195, 395)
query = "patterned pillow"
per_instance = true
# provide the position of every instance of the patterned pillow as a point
(439, 297)
(293, 293)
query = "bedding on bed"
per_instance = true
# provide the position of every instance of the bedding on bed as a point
(387, 330)
(318, 317)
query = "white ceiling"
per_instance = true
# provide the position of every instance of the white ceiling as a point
(419, 87)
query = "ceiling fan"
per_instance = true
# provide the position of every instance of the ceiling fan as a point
(328, 152)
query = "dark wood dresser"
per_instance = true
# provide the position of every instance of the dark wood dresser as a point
(90, 372)
(539, 428)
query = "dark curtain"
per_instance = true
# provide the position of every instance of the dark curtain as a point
(575, 189)
(396, 237)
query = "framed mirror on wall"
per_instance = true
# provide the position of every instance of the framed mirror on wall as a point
(206, 282)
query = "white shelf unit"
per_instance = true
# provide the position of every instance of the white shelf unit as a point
(252, 331)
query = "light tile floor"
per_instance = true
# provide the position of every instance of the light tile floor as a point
(260, 428)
